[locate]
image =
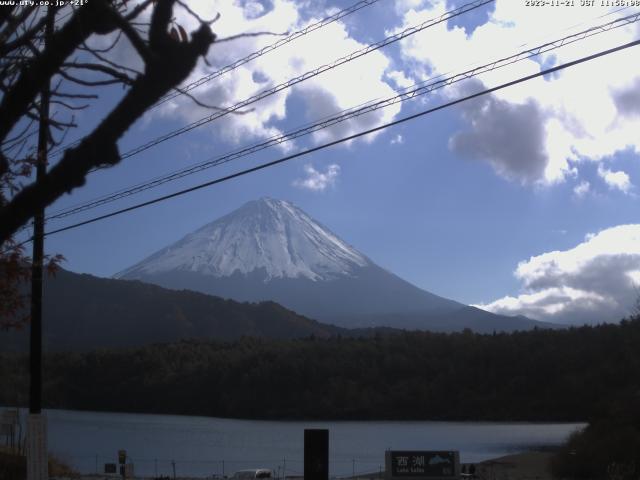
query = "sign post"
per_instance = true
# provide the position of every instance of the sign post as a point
(422, 465)
(122, 459)
(316, 454)
(37, 468)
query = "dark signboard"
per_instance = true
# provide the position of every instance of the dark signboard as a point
(316, 454)
(422, 464)
(110, 468)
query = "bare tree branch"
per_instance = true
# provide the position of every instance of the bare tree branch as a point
(168, 63)
(75, 95)
(97, 67)
(91, 83)
(92, 18)
(196, 16)
(13, 23)
(23, 39)
(115, 65)
(249, 35)
(135, 39)
(68, 106)
(110, 47)
(209, 107)
(138, 10)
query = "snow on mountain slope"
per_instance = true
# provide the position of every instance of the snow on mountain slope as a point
(271, 250)
(268, 234)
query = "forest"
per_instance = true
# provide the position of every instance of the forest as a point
(540, 375)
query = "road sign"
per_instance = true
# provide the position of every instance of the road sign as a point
(422, 464)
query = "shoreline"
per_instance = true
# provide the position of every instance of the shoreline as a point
(455, 420)
(530, 465)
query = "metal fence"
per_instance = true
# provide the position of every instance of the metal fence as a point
(218, 469)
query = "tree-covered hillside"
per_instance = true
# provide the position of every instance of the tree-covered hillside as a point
(539, 375)
(83, 312)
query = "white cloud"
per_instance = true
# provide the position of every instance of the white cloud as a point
(402, 6)
(397, 140)
(596, 281)
(584, 113)
(253, 9)
(582, 189)
(329, 93)
(508, 136)
(627, 99)
(316, 180)
(615, 180)
(400, 79)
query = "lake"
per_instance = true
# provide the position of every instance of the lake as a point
(202, 446)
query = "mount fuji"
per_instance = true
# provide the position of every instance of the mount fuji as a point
(271, 250)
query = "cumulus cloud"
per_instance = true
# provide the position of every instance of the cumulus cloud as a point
(404, 5)
(596, 281)
(253, 10)
(397, 140)
(318, 181)
(400, 79)
(584, 113)
(615, 180)
(508, 136)
(627, 99)
(329, 93)
(582, 189)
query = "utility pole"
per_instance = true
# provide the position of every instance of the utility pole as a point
(37, 461)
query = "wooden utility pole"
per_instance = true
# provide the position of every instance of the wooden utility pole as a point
(37, 461)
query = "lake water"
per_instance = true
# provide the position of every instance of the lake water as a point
(202, 446)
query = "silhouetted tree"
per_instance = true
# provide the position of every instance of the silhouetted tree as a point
(73, 66)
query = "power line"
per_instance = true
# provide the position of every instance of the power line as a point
(343, 116)
(348, 138)
(252, 56)
(368, 107)
(308, 75)
(213, 161)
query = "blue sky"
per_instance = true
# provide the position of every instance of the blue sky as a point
(522, 202)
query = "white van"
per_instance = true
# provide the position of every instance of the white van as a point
(253, 474)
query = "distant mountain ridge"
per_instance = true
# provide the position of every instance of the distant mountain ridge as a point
(271, 250)
(83, 312)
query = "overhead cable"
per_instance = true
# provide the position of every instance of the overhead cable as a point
(308, 75)
(369, 107)
(252, 56)
(216, 181)
(269, 48)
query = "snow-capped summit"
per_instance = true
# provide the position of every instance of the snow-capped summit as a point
(271, 250)
(271, 236)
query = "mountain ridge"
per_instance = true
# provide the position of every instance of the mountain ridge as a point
(270, 249)
(85, 312)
